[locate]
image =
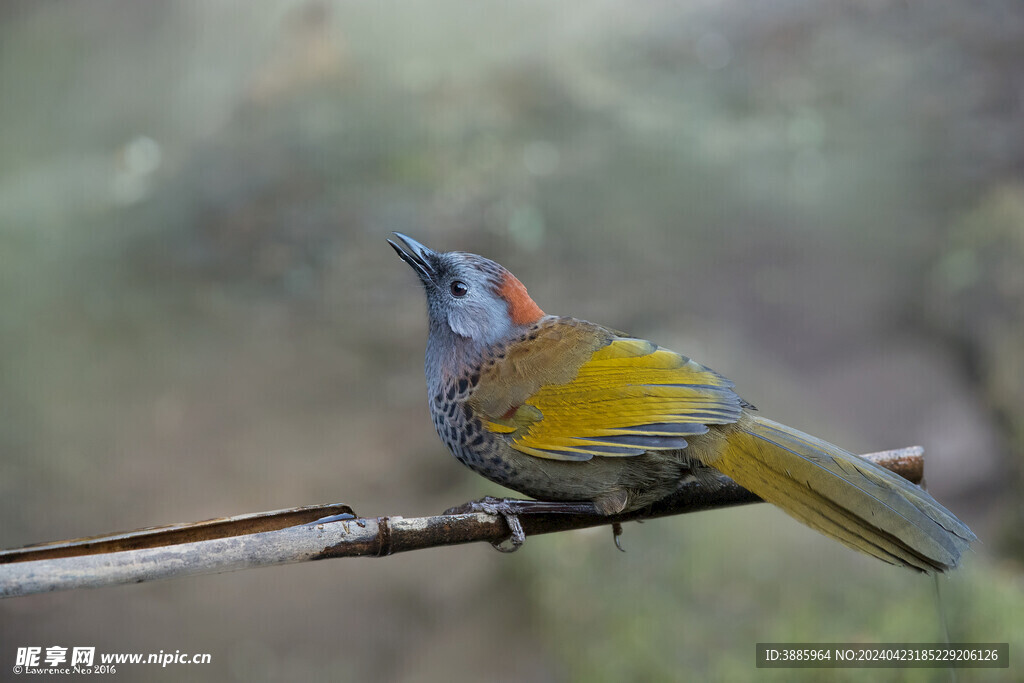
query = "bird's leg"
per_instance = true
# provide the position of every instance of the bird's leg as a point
(510, 509)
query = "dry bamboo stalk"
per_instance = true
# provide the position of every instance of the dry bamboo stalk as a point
(320, 532)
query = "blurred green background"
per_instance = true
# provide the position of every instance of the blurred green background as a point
(200, 315)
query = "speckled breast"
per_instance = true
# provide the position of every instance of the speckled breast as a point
(463, 432)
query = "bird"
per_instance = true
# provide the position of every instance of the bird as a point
(584, 417)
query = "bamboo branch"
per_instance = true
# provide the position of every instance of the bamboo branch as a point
(321, 532)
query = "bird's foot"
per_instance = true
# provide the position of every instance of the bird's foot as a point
(505, 508)
(616, 534)
(510, 509)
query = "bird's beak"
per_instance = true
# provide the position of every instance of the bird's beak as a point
(421, 258)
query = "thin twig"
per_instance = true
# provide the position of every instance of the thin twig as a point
(320, 532)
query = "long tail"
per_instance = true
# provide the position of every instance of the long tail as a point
(843, 496)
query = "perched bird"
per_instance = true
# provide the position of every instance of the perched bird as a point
(562, 409)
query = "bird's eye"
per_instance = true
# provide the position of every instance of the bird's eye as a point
(458, 288)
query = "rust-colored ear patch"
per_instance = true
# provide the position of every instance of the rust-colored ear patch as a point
(521, 307)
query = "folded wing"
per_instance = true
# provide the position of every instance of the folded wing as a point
(629, 397)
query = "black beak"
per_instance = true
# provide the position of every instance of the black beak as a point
(421, 258)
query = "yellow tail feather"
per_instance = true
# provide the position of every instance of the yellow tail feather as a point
(860, 504)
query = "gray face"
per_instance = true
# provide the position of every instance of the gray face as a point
(462, 292)
(465, 295)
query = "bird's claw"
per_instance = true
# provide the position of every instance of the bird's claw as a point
(510, 509)
(473, 506)
(518, 536)
(616, 534)
(497, 507)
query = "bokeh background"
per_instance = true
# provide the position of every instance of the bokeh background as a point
(199, 315)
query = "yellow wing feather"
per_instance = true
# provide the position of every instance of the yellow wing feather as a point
(628, 398)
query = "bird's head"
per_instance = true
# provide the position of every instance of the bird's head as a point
(469, 296)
